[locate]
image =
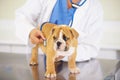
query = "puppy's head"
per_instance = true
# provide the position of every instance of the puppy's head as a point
(64, 37)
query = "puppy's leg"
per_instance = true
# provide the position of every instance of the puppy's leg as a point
(34, 56)
(50, 65)
(72, 64)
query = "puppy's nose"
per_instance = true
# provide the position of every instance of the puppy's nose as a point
(59, 43)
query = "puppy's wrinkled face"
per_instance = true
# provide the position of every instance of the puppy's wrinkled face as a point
(62, 37)
(60, 42)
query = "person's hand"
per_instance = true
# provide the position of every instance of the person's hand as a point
(36, 36)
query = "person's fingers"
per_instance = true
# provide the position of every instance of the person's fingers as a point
(35, 39)
(36, 36)
(39, 33)
(41, 40)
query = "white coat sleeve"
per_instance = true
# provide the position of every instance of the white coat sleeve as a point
(88, 45)
(26, 19)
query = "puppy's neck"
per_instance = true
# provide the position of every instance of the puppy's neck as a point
(61, 54)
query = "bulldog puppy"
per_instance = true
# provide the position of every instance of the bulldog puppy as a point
(61, 41)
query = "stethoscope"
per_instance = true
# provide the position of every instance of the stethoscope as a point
(76, 6)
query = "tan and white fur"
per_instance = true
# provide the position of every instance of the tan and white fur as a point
(61, 41)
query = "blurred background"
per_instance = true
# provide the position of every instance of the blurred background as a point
(110, 42)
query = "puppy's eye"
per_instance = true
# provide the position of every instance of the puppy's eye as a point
(65, 38)
(54, 37)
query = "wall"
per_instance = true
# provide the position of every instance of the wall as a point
(7, 15)
(110, 42)
(111, 9)
(8, 7)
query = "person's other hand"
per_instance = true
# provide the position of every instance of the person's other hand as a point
(36, 36)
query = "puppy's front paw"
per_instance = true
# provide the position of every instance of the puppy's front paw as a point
(50, 74)
(33, 62)
(75, 70)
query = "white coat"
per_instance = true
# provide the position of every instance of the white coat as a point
(87, 21)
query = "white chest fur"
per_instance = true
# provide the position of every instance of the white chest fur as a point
(65, 53)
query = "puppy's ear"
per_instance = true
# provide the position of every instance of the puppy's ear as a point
(47, 25)
(47, 28)
(74, 33)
